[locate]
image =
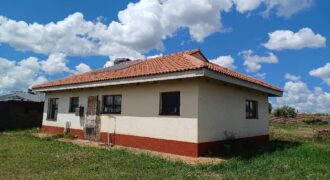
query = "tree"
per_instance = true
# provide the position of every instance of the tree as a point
(285, 112)
(270, 107)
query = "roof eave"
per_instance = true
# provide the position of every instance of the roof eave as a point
(232, 80)
(141, 79)
(168, 76)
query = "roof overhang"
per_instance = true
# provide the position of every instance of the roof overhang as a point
(243, 83)
(168, 76)
(142, 79)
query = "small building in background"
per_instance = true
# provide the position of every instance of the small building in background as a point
(21, 110)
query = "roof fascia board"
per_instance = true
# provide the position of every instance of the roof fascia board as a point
(239, 82)
(152, 78)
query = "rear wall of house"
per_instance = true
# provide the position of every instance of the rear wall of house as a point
(221, 114)
(139, 110)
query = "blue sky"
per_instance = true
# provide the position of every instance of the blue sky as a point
(234, 33)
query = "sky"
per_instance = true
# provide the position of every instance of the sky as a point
(283, 42)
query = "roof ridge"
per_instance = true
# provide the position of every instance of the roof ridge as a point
(189, 52)
(195, 61)
(185, 52)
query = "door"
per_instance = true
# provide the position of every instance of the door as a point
(92, 124)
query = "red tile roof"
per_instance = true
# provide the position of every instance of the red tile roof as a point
(178, 62)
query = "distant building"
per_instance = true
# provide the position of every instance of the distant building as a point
(21, 110)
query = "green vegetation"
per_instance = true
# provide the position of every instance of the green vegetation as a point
(301, 132)
(314, 121)
(287, 156)
(285, 112)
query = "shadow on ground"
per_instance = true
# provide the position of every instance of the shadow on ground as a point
(252, 150)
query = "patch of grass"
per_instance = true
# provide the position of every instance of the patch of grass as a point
(69, 136)
(298, 161)
(26, 157)
(296, 131)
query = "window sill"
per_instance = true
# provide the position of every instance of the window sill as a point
(171, 115)
(51, 119)
(110, 113)
(252, 118)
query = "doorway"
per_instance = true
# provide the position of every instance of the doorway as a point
(92, 123)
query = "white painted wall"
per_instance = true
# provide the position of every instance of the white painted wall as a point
(221, 112)
(209, 109)
(140, 110)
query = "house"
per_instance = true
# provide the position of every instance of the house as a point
(179, 103)
(20, 110)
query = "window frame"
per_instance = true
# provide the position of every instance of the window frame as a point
(113, 106)
(50, 108)
(255, 112)
(70, 105)
(161, 112)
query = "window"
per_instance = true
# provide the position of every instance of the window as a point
(74, 103)
(52, 109)
(251, 109)
(170, 103)
(112, 104)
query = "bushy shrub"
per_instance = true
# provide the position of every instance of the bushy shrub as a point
(323, 134)
(313, 121)
(285, 112)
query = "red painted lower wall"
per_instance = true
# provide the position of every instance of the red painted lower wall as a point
(161, 145)
(78, 132)
(52, 129)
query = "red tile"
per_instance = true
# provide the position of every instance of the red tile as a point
(182, 61)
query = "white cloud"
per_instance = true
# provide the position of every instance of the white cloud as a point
(286, 8)
(154, 56)
(19, 76)
(260, 76)
(109, 63)
(23, 74)
(322, 72)
(298, 95)
(202, 18)
(62, 36)
(244, 5)
(282, 8)
(82, 68)
(56, 63)
(39, 80)
(141, 27)
(285, 39)
(225, 61)
(253, 62)
(291, 77)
